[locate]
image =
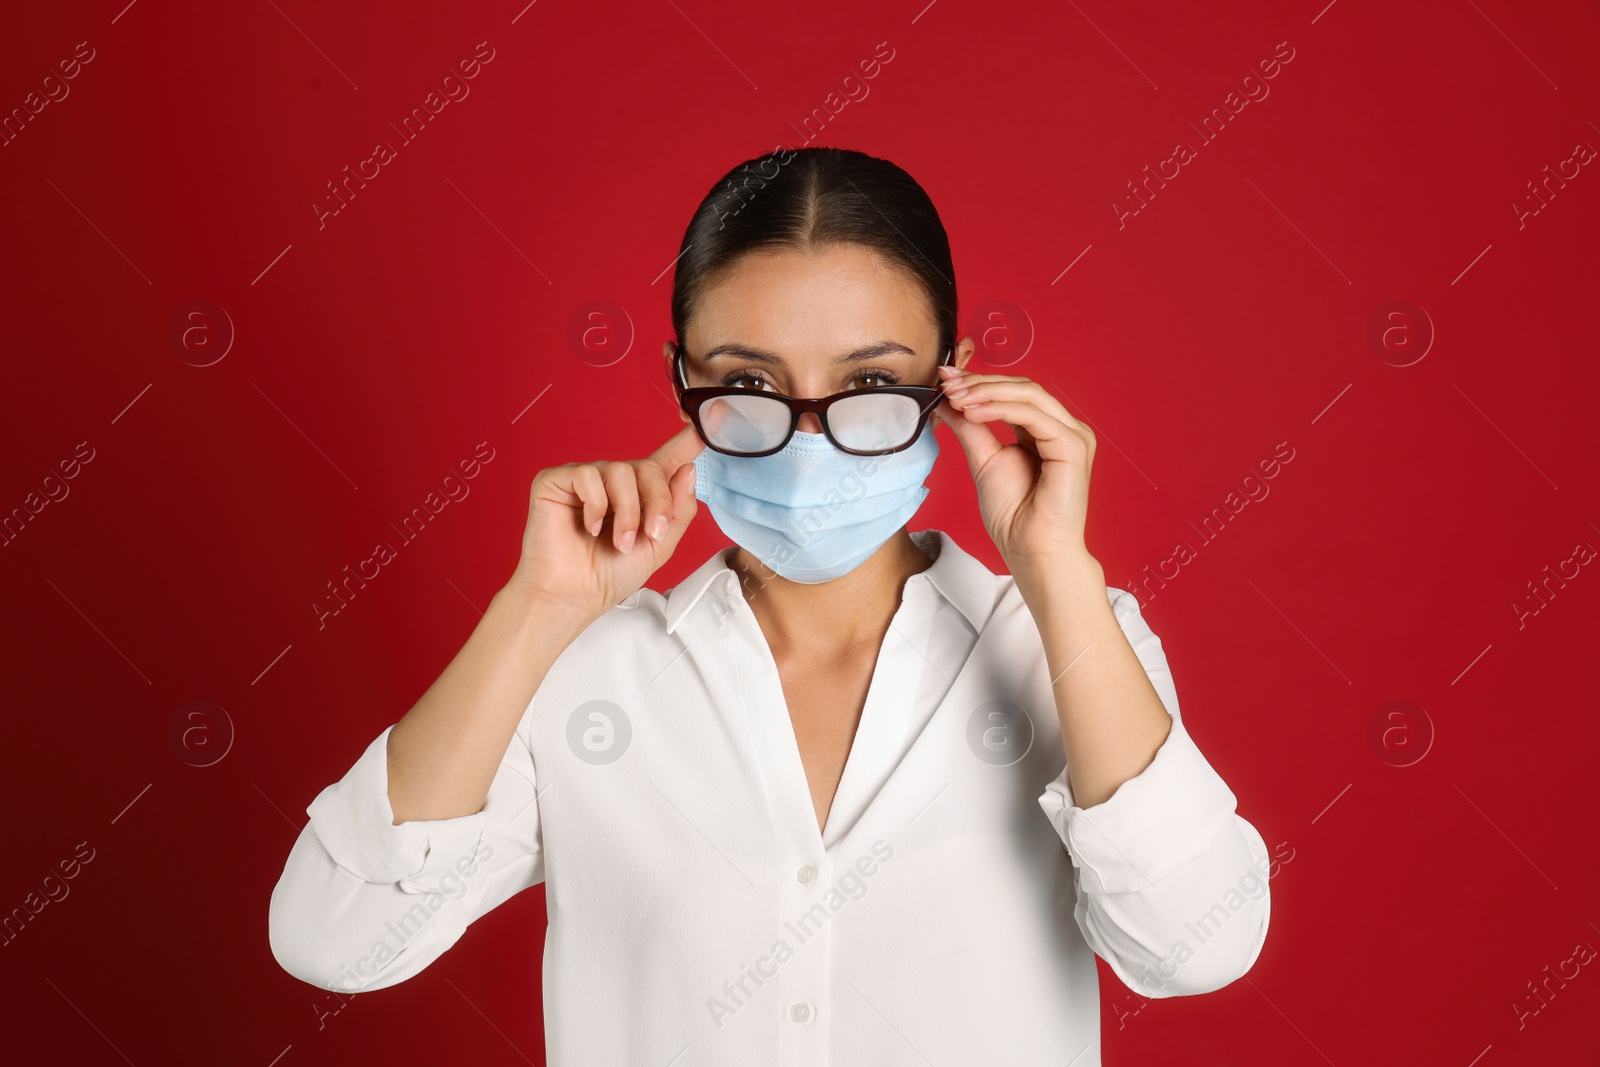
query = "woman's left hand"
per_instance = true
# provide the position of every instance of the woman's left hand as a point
(1033, 495)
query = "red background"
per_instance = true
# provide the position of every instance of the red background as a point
(372, 354)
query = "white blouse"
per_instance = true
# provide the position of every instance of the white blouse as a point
(696, 914)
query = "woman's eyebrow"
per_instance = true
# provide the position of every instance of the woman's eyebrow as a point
(882, 348)
(755, 355)
(759, 355)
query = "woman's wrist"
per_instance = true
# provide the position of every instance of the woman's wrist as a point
(1060, 576)
(1058, 594)
(536, 617)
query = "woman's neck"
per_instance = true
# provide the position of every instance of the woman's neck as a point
(829, 618)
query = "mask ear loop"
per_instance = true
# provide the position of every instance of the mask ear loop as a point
(947, 361)
(679, 358)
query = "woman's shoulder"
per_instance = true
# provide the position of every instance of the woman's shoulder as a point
(979, 590)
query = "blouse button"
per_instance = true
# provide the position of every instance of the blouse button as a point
(806, 874)
(800, 1012)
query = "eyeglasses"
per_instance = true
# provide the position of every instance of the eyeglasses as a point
(862, 422)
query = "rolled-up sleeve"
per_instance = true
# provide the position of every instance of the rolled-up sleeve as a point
(1171, 883)
(363, 903)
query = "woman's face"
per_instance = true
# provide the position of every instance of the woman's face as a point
(811, 324)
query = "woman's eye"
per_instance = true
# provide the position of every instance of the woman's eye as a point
(750, 380)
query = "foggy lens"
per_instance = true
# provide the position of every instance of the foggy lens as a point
(744, 423)
(873, 421)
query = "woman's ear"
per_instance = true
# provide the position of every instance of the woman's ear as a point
(964, 349)
(669, 352)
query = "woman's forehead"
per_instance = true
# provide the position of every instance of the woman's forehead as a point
(834, 300)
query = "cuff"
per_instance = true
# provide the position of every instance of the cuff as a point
(1155, 822)
(354, 822)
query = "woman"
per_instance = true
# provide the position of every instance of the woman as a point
(790, 810)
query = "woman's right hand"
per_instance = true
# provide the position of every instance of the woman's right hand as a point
(576, 558)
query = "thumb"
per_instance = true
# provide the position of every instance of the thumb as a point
(977, 440)
(679, 449)
(684, 507)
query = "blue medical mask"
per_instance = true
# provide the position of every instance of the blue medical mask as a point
(810, 511)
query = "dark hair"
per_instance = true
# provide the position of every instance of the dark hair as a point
(810, 198)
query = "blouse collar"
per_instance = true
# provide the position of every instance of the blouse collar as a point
(960, 578)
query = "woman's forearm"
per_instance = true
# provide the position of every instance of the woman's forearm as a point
(444, 752)
(1112, 719)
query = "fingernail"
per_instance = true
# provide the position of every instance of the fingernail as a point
(627, 540)
(658, 527)
(959, 392)
(594, 531)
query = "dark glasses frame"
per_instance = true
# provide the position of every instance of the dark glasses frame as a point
(690, 400)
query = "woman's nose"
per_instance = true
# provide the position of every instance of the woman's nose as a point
(809, 423)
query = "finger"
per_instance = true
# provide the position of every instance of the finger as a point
(969, 377)
(1027, 391)
(654, 497)
(680, 488)
(977, 441)
(678, 449)
(684, 504)
(590, 489)
(1052, 438)
(623, 490)
(1024, 389)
